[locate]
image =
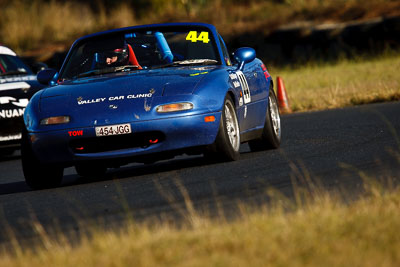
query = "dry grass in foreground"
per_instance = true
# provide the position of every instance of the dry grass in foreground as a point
(321, 231)
(349, 82)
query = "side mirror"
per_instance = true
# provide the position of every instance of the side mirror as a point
(244, 55)
(45, 76)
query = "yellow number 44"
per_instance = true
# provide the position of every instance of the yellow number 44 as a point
(203, 36)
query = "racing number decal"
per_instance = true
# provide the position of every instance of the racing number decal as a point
(192, 36)
(245, 86)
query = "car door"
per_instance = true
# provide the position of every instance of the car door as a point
(254, 95)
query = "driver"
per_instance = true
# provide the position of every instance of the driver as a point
(117, 57)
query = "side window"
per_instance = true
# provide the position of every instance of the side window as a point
(225, 52)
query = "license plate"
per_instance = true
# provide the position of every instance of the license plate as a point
(113, 130)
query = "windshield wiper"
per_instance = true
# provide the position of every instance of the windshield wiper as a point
(188, 62)
(13, 72)
(106, 70)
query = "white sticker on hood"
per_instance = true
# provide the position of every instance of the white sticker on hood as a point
(82, 101)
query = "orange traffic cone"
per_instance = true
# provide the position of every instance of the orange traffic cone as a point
(283, 101)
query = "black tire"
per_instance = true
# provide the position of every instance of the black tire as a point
(227, 143)
(90, 170)
(272, 132)
(38, 175)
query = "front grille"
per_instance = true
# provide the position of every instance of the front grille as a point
(116, 142)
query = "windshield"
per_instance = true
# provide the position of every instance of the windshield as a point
(138, 50)
(12, 65)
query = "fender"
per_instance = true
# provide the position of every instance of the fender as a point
(31, 111)
(216, 85)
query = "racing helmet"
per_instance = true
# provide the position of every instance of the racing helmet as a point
(117, 57)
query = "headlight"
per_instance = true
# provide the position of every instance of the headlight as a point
(55, 120)
(174, 107)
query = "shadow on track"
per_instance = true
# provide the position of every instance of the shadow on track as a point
(137, 170)
(15, 187)
(128, 171)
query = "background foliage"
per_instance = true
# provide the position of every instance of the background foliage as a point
(27, 25)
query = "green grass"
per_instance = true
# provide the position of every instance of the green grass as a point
(320, 230)
(348, 82)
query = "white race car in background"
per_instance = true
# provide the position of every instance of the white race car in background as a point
(17, 84)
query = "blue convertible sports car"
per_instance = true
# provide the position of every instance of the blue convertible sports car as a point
(145, 93)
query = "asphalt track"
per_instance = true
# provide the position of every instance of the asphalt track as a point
(334, 148)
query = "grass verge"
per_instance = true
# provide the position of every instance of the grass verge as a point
(317, 86)
(318, 230)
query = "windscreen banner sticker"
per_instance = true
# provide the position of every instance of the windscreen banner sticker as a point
(18, 79)
(245, 87)
(194, 37)
(12, 86)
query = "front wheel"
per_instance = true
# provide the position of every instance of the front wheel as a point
(227, 144)
(38, 175)
(271, 135)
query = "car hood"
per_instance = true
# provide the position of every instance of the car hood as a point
(119, 97)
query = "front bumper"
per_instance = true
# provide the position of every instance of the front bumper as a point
(178, 133)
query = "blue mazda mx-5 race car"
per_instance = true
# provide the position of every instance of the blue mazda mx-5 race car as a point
(145, 93)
